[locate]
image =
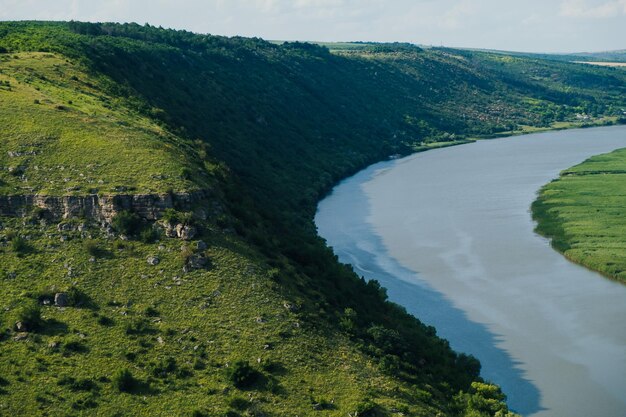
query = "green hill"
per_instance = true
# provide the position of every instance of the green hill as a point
(156, 198)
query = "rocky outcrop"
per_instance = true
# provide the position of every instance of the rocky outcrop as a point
(99, 207)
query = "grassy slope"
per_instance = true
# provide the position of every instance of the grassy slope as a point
(141, 317)
(271, 128)
(206, 320)
(583, 213)
(62, 135)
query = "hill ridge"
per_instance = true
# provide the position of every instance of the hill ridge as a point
(253, 315)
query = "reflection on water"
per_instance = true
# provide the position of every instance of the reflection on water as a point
(449, 234)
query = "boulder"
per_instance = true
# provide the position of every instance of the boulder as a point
(170, 230)
(21, 336)
(153, 260)
(186, 232)
(64, 227)
(200, 245)
(20, 327)
(61, 299)
(195, 261)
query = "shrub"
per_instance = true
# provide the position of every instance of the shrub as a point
(105, 321)
(83, 384)
(139, 327)
(151, 312)
(149, 235)
(127, 223)
(77, 298)
(164, 368)
(29, 314)
(20, 246)
(92, 248)
(171, 216)
(241, 374)
(74, 346)
(366, 408)
(124, 381)
(239, 403)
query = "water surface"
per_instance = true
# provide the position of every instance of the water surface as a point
(449, 233)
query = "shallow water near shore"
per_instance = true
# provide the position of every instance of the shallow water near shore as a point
(449, 233)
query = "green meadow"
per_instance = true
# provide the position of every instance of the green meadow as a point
(583, 213)
(62, 135)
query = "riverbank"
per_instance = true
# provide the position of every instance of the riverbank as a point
(449, 235)
(582, 213)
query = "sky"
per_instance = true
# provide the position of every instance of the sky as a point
(514, 25)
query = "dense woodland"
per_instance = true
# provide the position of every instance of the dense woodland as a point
(274, 126)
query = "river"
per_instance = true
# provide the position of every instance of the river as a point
(449, 233)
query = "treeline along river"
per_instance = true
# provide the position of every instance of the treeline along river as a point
(449, 233)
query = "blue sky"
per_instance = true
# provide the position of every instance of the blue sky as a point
(530, 25)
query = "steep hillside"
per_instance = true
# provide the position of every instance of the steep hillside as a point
(157, 191)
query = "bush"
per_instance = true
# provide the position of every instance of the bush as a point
(164, 368)
(105, 321)
(20, 246)
(74, 346)
(149, 235)
(77, 298)
(124, 381)
(29, 314)
(83, 384)
(92, 248)
(127, 223)
(241, 374)
(172, 216)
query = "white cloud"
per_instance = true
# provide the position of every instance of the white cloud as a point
(454, 18)
(530, 25)
(581, 9)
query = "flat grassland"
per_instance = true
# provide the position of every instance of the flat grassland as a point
(584, 212)
(604, 64)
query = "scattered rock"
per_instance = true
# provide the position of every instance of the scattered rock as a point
(186, 232)
(61, 299)
(21, 336)
(20, 327)
(195, 261)
(200, 245)
(289, 306)
(64, 227)
(153, 260)
(160, 340)
(170, 230)
(260, 320)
